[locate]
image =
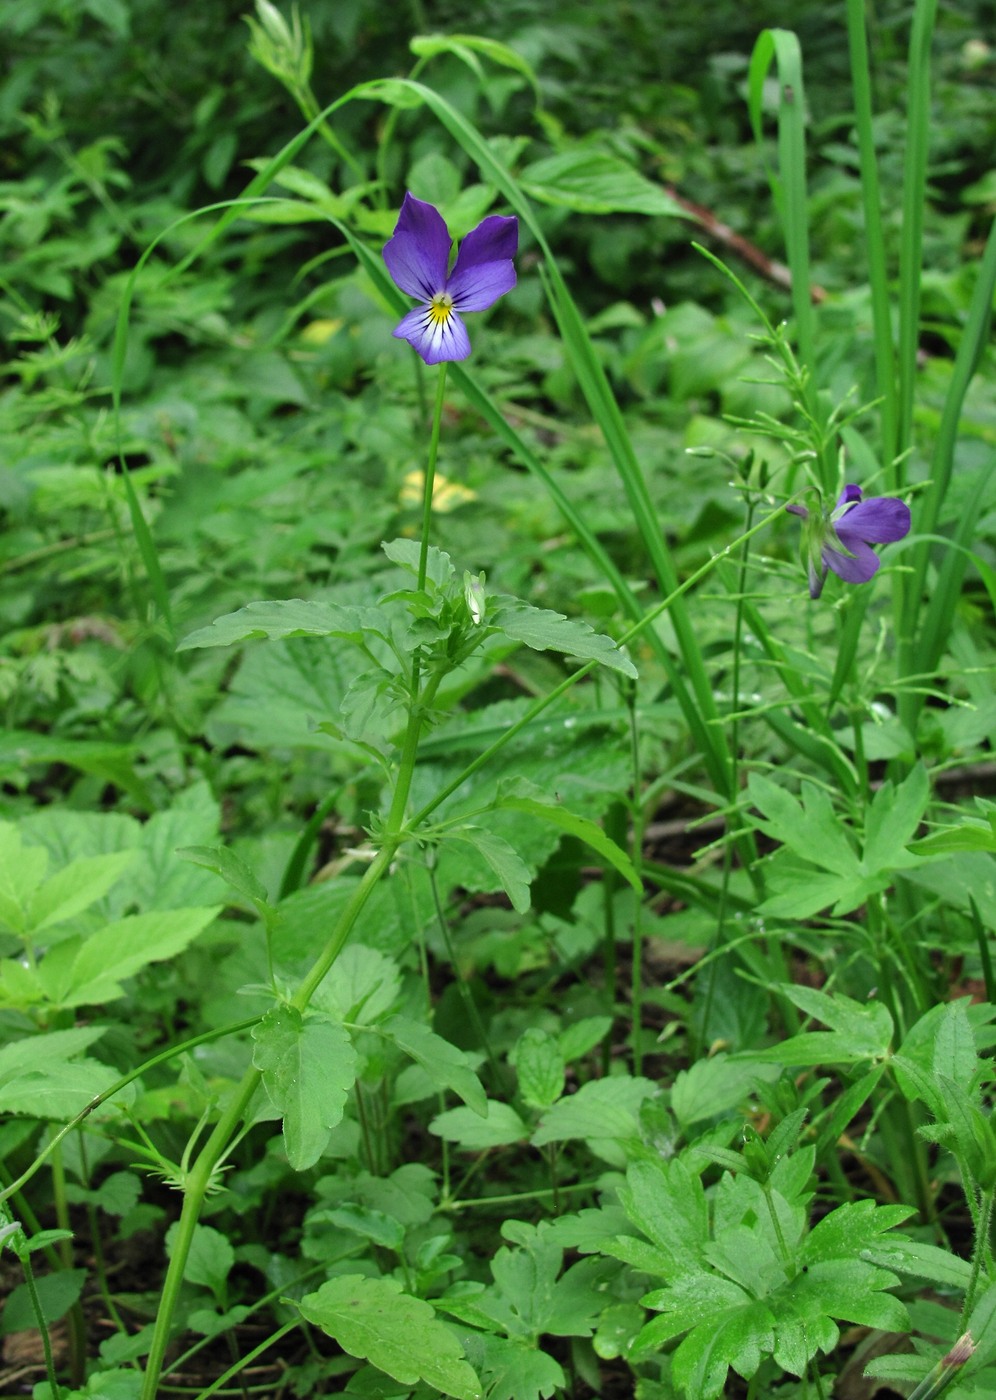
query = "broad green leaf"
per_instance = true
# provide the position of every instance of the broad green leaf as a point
(581, 1036)
(57, 1293)
(34, 1052)
(710, 1088)
(406, 553)
(540, 1068)
(75, 887)
(601, 1109)
(468, 1130)
(210, 1259)
(967, 836)
(444, 1063)
(84, 971)
(22, 870)
(544, 630)
(276, 620)
(593, 181)
(666, 1200)
(56, 1090)
(371, 1318)
(308, 1067)
(504, 860)
(282, 694)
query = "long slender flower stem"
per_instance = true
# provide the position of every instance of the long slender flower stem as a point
(430, 474)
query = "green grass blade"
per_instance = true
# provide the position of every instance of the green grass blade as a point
(911, 247)
(885, 354)
(781, 47)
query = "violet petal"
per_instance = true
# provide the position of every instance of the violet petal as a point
(479, 286)
(858, 567)
(848, 496)
(435, 340)
(418, 254)
(495, 239)
(878, 520)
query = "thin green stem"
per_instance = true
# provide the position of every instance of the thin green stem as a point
(41, 1323)
(77, 1325)
(430, 475)
(636, 856)
(981, 1253)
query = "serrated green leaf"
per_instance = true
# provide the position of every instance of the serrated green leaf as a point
(544, 630)
(277, 619)
(75, 887)
(232, 869)
(308, 1067)
(503, 859)
(540, 1068)
(89, 970)
(56, 1293)
(514, 1369)
(446, 1065)
(371, 1318)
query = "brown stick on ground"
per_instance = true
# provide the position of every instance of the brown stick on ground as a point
(774, 271)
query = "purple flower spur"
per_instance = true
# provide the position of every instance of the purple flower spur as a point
(418, 259)
(841, 539)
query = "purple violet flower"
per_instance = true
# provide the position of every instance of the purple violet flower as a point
(841, 539)
(418, 259)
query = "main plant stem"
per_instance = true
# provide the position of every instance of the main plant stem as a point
(202, 1173)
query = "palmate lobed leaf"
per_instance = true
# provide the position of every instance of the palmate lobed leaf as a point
(373, 1319)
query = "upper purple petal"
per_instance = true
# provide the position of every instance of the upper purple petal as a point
(418, 254)
(856, 567)
(848, 496)
(484, 269)
(434, 340)
(798, 510)
(494, 239)
(878, 520)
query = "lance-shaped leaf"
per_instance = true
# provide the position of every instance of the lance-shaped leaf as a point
(443, 1063)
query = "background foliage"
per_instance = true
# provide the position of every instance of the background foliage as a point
(727, 1135)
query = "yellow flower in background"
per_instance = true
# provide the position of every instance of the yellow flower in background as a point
(318, 332)
(446, 495)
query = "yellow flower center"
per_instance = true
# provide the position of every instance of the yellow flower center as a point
(440, 308)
